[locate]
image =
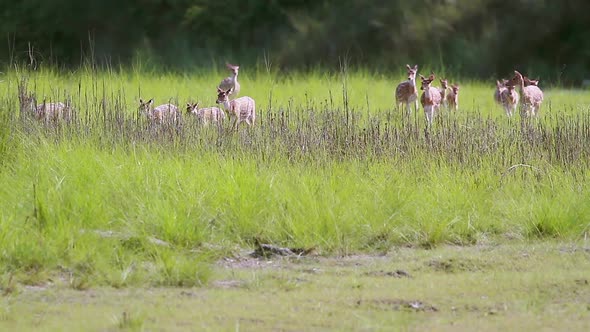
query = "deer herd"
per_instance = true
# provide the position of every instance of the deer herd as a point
(508, 94)
(519, 91)
(241, 109)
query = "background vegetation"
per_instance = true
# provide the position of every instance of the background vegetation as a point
(473, 38)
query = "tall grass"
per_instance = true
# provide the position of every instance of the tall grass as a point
(109, 198)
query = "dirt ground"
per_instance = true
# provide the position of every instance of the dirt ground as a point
(524, 287)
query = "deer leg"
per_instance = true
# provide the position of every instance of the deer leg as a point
(428, 114)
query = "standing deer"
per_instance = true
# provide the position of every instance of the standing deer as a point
(46, 111)
(430, 98)
(453, 97)
(500, 87)
(165, 113)
(531, 96)
(242, 109)
(406, 92)
(443, 91)
(231, 82)
(510, 100)
(206, 114)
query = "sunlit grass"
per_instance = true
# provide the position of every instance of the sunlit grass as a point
(330, 164)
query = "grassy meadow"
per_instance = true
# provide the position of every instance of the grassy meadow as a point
(109, 199)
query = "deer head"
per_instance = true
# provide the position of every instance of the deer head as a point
(28, 103)
(222, 96)
(191, 108)
(528, 81)
(444, 83)
(145, 107)
(455, 89)
(233, 68)
(426, 81)
(412, 72)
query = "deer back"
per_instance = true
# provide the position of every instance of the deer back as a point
(532, 95)
(405, 91)
(431, 96)
(50, 111)
(210, 114)
(243, 107)
(165, 112)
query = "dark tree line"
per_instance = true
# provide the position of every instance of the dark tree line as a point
(480, 38)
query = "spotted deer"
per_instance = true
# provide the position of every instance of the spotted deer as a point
(510, 100)
(406, 92)
(531, 96)
(231, 82)
(206, 114)
(453, 97)
(163, 114)
(46, 111)
(500, 87)
(242, 109)
(443, 91)
(430, 98)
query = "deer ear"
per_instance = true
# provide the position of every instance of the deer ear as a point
(422, 77)
(140, 101)
(416, 67)
(151, 101)
(219, 90)
(408, 66)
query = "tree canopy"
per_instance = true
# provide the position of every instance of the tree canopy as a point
(479, 38)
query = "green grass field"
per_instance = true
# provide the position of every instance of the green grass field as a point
(111, 200)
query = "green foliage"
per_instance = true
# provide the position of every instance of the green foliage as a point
(476, 38)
